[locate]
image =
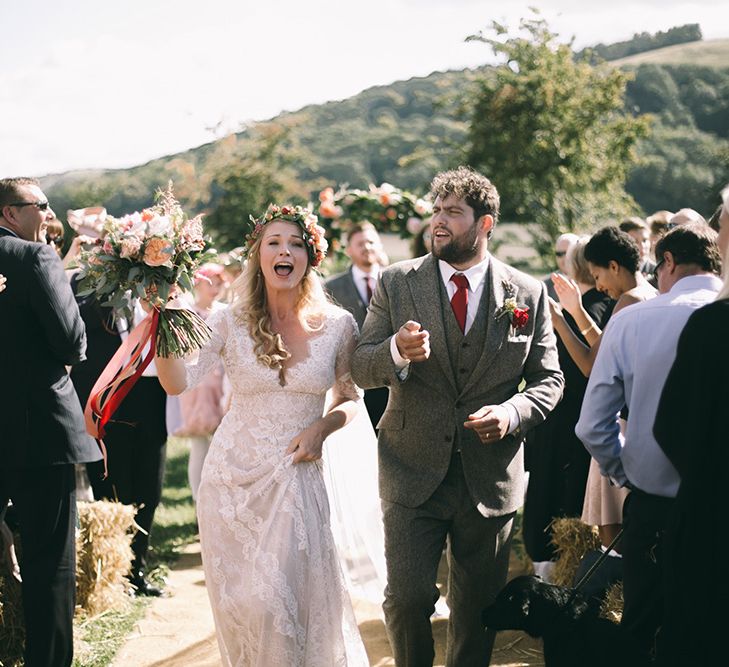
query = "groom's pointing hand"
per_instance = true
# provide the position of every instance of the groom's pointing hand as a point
(412, 342)
(491, 422)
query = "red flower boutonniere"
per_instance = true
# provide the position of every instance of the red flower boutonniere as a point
(518, 314)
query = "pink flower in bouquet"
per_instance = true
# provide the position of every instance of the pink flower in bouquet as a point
(108, 247)
(391, 213)
(130, 247)
(158, 225)
(158, 252)
(192, 234)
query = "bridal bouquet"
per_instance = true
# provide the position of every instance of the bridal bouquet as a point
(151, 255)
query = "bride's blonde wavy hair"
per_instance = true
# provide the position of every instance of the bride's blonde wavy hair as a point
(250, 307)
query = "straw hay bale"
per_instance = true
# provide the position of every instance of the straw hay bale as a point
(103, 558)
(612, 605)
(104, 555)
(571, 539)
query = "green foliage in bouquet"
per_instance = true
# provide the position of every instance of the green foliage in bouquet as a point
(386, 207)
(150, 255)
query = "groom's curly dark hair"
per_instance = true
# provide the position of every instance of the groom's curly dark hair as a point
(465, 183)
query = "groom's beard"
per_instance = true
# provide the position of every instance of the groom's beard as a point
(459, 250)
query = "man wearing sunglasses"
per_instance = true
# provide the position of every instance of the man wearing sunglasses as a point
(43, 432)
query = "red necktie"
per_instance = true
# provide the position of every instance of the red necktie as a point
(369, 282)
(459, 302)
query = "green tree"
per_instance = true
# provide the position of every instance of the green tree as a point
(552, 133)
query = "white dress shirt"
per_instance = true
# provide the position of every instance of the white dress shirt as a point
(636, 352)
(360, 281)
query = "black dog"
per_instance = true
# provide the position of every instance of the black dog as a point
(574, 635)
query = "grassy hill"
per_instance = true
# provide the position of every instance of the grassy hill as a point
(708, 53)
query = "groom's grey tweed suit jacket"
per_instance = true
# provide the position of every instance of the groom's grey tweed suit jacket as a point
(426, 411)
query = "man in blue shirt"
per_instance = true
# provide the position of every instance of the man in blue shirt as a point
(636, 353)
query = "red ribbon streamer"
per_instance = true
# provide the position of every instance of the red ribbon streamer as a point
(118, 378)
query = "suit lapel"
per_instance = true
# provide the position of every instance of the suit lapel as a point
(496, 329)
(425, 291)
(352, 299)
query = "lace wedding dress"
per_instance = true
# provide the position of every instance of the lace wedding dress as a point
(271, 568)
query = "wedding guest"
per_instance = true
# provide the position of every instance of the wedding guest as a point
(658, 224)
(639, 231)
(271, 568)
(691, 430)
(561, 247)
(554, 457)
(685, 216)
(715, 220)
(421, 242)
(44, 432)
(202, 407)
(353, 290)
(232, 262)
(54, 235)
(614, 262)
(631, 369)
(450, 456)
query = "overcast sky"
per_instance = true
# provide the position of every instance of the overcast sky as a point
(95, 83)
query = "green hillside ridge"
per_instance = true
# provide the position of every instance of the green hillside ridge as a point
(707, 53)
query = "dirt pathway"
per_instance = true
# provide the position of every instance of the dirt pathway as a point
(178, 631)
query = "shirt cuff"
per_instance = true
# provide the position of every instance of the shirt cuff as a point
(514, 419)
(401, 363)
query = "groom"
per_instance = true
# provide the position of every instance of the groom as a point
(440, 332)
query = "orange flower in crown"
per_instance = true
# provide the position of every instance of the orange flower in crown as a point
(313, 234)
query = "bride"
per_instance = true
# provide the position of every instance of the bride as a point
(271, 568)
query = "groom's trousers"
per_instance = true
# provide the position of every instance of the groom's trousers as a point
(478, 563)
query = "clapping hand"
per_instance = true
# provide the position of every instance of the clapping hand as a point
(491, 423)
(307, 445)
(568, 291)
(3, 280)
(413, 343)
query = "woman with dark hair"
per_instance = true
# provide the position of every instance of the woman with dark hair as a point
(271, 569)
(691, 429)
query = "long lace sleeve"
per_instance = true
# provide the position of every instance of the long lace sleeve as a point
(344, 387)
(198, 366)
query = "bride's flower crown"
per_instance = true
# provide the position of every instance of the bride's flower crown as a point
(316, 244)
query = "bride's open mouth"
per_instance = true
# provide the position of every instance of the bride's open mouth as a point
(283, 269)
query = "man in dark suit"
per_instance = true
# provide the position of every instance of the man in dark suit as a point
(353, 290)
(44, 433)
(454, 334)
